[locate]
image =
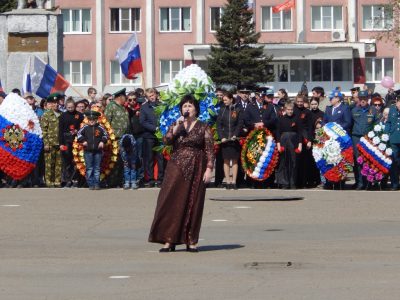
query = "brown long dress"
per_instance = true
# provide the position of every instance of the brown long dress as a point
(180, 203)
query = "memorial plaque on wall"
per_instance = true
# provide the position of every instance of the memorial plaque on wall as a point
(28, 42)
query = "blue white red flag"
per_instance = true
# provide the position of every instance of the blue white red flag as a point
(26, 80)
(45, 80)
(1, 88)
(20, 137)
(129, 57)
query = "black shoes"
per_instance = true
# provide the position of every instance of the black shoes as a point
(192, 249)
(171, 248)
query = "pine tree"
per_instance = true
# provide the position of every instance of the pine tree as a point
(7, 5)
(237, 59)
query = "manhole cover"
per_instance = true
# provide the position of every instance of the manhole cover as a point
(271, 265)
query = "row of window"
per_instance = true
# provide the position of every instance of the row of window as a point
(80, 72)
(178, 19)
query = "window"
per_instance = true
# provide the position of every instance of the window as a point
(175, 19)
(326, 17)
(215, 18)
(118, 78)
(375, 18)
(78, 72)
(321, 70)
(76, 20)
(342, 69)
(300, 70)
(124, 19)
(168, 69)
(377, 68)
(275, 22)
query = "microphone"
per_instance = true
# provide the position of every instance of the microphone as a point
(186, 114)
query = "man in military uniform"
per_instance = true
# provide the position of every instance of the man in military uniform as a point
(392, 127)
(50, 128)
(354, 100)
(118, 117)
(364, 118)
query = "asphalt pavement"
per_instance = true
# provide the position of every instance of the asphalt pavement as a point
(300, 244)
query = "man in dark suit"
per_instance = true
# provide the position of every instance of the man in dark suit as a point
(338, 112)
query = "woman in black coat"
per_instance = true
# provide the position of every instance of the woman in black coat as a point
(229, 124)
(289, 140)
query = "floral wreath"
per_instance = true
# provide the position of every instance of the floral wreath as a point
(259, 154)
(190, 80)
(20, 137)
(110, 151)
(333, 152)
(375, 154)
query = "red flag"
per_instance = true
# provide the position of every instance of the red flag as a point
(284, 6)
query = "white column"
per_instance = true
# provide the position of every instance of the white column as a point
(100, 65)
(352, 20)
(149, 63)
(199, 22)
(300, 21)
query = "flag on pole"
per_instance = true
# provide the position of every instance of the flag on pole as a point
(284, 6)
(45, 80)
(26, 80)
(129, 57)
(1, 88)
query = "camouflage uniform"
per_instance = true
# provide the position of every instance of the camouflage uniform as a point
(52, 157)
(118, 117)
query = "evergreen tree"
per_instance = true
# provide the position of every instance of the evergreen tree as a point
(7, 5)
(237, 59)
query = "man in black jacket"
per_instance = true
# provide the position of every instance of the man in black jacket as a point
(149, 121)
(69, 124)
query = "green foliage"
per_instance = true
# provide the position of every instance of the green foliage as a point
(237, 59)
(7, 5)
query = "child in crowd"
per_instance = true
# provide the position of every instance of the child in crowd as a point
(128, 152)
(93, 138)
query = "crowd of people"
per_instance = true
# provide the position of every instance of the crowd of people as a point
(292, 121)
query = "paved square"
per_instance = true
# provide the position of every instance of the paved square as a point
(80, 244)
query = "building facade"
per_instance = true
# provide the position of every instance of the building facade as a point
(323, 42)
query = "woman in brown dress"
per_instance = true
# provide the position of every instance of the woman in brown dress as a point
(180, 203)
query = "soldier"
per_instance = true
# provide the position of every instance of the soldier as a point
(392, 127)
(354, 100)
(118, 117)
(364, 118)
(52, 157)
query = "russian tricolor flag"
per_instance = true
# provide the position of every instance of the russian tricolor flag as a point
(1, 88)
(129, 57)
(20, 137)
(45, 80)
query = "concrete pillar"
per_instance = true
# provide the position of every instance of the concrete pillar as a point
(300, 21)
(100, 64)
(352, 20)
(149, 63)
(200, 21)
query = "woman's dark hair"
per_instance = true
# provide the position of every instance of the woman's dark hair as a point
(285, 95)
(314, 99)
(190, 99)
